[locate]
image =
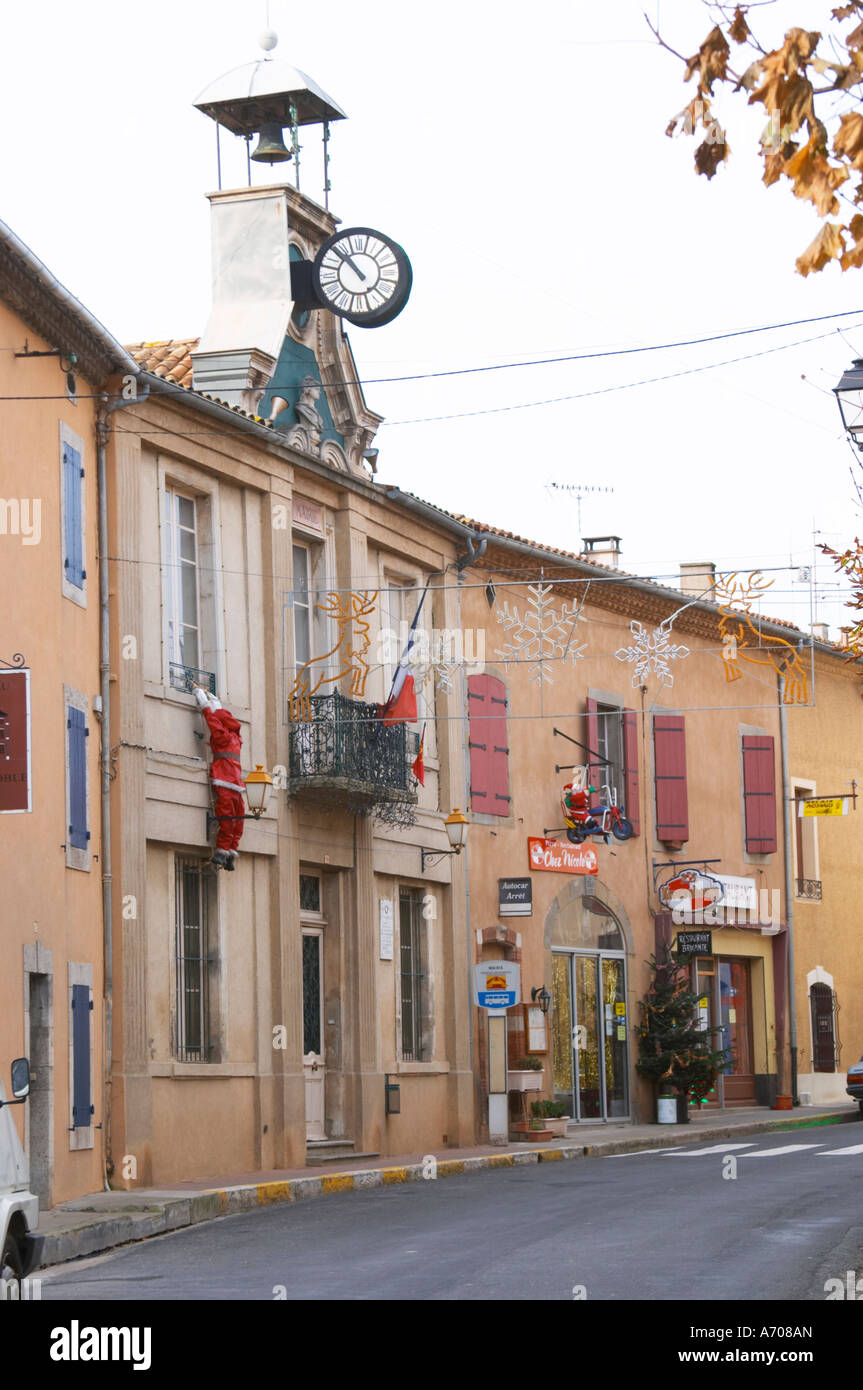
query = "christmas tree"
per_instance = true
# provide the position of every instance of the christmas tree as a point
(675, 1051)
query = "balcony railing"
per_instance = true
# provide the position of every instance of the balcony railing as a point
(182, 677)
(809, 888)
(344, 751)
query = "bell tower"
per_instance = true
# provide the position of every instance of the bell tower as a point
(269, 102)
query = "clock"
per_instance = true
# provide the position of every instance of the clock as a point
(363, 276)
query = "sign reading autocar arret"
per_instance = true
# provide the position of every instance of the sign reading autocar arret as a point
(515, 897)
(15, 741)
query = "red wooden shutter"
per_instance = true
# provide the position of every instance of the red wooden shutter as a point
(631, 793)
(669, 756)
(596, 772)
(489, 752)
(759, 793)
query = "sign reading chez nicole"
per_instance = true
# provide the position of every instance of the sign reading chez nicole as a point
(560, 857)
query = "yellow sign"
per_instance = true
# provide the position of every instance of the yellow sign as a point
(621, 1035)
(620, 1009)
(702, 1003)
(495, 982)
(823, 806)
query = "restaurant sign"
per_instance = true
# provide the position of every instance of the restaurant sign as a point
(560, 857)
(15, 741)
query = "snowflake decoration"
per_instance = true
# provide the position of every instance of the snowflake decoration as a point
(442, 673)
(542, 634)
(652, 650)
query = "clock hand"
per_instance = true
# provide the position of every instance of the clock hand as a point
(349, 260)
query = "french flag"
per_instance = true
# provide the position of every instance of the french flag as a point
(401, 707)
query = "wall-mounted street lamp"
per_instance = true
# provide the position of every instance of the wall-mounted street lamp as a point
(849, 398)
(456, 825)
(541, 996)
(258, 785)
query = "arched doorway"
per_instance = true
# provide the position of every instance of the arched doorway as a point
(589, 938)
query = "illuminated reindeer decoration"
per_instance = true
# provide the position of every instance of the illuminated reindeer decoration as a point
(742, 641)
(349, 654)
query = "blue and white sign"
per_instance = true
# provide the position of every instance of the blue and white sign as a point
(496, 984)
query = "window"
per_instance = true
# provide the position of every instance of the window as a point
(72, 510)
(669, 761)
(192, 1034)
(302, 603)
(807, 884)
(310, 894)
(612, 733)
(77, 781)
(823, 1007)
(489, 751)
(759, 793)
(181, 579)
(413, 947)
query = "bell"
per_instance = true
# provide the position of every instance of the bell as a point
(271, 148)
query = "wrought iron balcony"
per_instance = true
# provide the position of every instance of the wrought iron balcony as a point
(809, 888)
(345, 754)
(182, 678)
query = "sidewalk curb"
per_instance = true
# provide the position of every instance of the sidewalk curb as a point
(160, 1216)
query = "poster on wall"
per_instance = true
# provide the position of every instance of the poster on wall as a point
(386, 925)
(15, 789)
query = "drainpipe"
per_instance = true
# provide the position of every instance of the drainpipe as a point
(789, 896)
(102, 432)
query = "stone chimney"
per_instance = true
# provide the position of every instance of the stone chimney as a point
(252, 300)
(605, 550)
(820, 631)
(697, 578)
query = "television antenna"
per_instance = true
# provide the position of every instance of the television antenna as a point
(578, 491)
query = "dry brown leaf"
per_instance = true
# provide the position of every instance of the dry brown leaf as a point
(709, 155)
(848, 140)
(845, 11)
(855, 38)
(815, 178)
(739, 29)
(827, 245)
(853, 257)
(710, 62)
(776, 160)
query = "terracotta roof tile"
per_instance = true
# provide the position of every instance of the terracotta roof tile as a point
(170, 359)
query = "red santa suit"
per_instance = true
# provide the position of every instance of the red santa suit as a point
(226, 777)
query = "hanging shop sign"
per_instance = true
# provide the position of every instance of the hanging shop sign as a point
(496, 984)
(694, 943)
(737, 892)
(690, 890)
(515, 897)
(561, 858)
(823, 806)
(15, 788)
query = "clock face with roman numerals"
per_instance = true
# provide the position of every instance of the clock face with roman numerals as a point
(363, 276)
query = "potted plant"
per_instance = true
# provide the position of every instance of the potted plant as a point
(553, 1115)
(675, 1053)
(526, 1075)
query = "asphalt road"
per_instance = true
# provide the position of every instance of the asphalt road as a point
(756, 1218)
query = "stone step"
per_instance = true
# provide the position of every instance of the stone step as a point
(320, 1151)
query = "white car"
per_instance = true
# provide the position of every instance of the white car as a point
(19, 1207)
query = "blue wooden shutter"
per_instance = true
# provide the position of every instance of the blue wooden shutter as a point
(82, 1109)
(78, 733)
(759, 793)
(669, 756)
(73, 539)
(489, 753)
(631, 796)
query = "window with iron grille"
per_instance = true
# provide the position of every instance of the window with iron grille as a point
(413, 948)
(192, 1031)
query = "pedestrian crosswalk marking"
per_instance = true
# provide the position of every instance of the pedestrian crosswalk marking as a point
(714, 1149)
(832, 1153)
(784, 1149)
(632, 1152)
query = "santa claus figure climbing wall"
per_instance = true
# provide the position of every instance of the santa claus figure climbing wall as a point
(226, 777)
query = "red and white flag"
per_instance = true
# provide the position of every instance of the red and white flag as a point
(401, 707)
(418, 767)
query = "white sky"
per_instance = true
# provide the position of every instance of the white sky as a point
(518, 153)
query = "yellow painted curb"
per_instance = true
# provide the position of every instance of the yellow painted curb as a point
(450, 1167)
(223, 1200)
(390, 1176)
(338, 1182)
(269, 1192)
(500, 1161)
(549, 1155)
